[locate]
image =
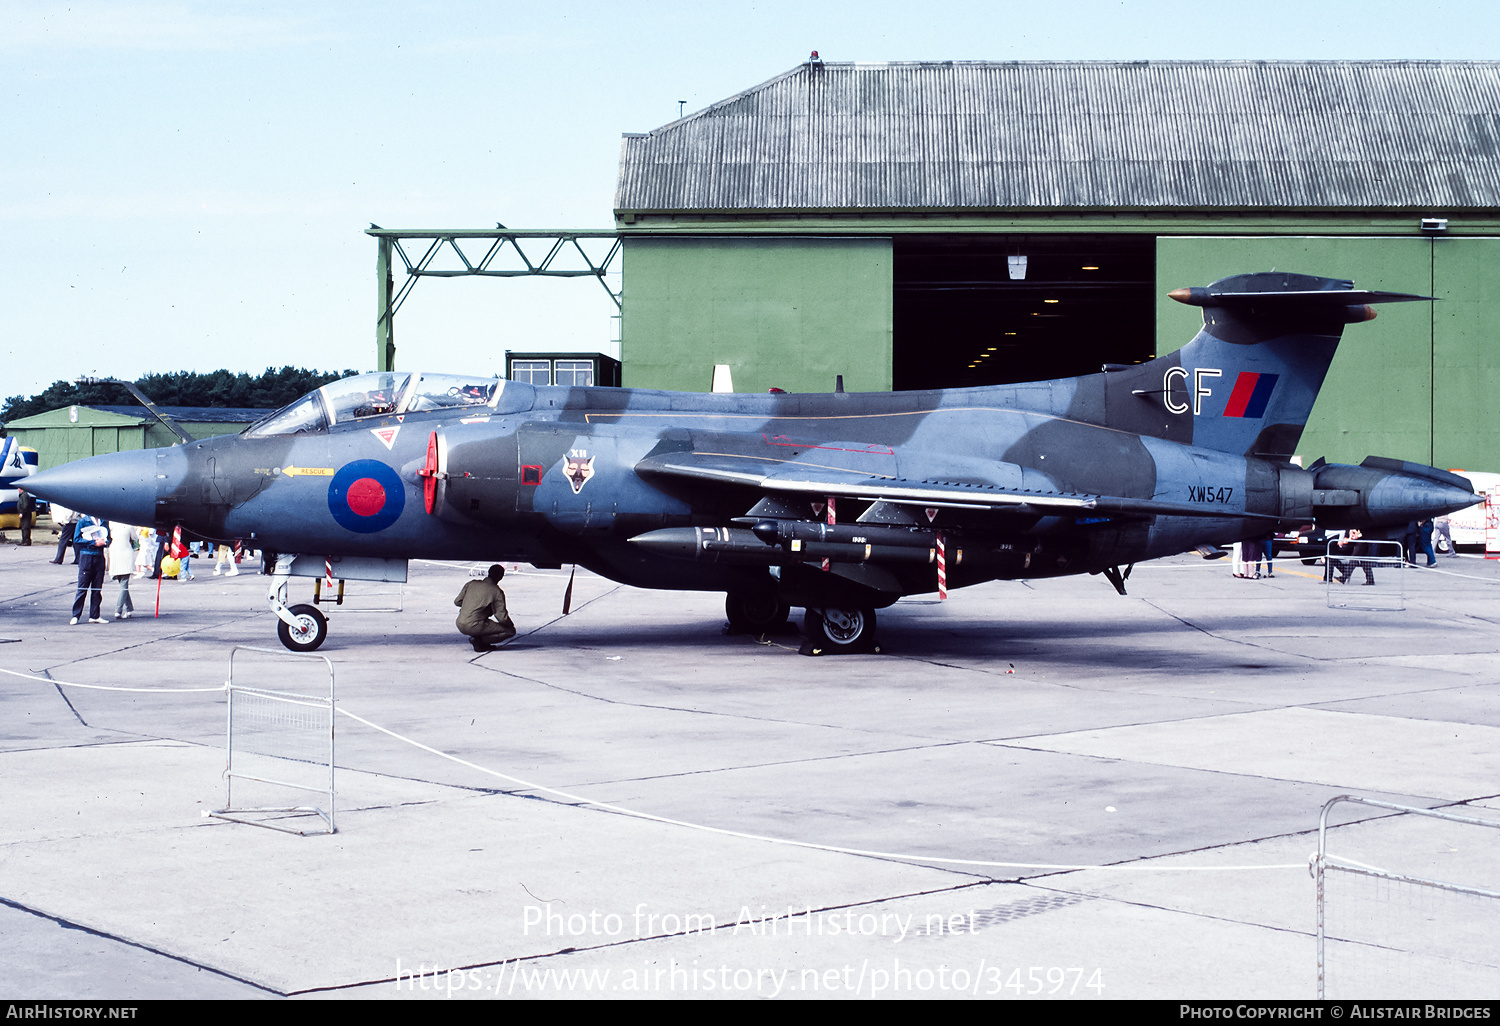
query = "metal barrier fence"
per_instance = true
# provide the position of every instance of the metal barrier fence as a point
(283, 733)
(1365, 574)
(1383, 934)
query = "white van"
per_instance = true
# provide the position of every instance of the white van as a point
(1467, 525)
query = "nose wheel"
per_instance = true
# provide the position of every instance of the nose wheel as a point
(307, 631)
(301, 628)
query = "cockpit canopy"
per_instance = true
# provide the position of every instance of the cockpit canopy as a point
(381, 394)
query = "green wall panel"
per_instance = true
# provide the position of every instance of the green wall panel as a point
(1377, 398)
(781, 312)
(1466, 353)
(59, 441)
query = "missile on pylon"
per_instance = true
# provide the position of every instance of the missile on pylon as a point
(737, 545)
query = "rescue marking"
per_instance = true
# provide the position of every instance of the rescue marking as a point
(387, 435)
(294, 471)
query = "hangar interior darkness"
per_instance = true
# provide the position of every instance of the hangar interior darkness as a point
(960, 319)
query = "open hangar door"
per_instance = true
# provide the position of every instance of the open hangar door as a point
(986, 309)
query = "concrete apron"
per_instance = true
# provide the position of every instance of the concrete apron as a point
(1201, 721)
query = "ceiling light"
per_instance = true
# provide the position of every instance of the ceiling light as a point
(1090, 268)
(1050, 301)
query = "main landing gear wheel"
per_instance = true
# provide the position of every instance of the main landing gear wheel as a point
(834, 630)
(754, 613)
(309, 633)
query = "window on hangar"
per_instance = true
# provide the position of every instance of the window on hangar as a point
(990, 309)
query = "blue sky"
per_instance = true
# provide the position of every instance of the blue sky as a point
(185, 185)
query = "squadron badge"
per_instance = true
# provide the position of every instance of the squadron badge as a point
(579, 468)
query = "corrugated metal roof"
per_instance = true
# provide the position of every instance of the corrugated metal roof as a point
(1358, 135)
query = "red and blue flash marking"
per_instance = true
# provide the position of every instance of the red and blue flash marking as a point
(1252, 391)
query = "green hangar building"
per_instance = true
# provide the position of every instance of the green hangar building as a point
(77, 432)
(919, 225)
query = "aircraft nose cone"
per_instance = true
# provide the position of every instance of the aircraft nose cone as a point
(119, 486)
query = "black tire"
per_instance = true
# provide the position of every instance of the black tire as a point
(754, 612)
(840, 630)
(309, 634)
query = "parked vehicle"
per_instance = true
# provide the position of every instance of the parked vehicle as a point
(1307, 542)
(1467, 524)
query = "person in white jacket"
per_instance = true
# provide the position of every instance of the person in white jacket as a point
(120, 564)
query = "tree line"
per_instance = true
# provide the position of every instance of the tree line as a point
(221, 388)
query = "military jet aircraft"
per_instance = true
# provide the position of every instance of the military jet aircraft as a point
(836, 503)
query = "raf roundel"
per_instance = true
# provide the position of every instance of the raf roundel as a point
(366, 496)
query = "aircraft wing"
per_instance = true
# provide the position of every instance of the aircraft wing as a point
(993, 487)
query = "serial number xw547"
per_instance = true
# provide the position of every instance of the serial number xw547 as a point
(1206, 493)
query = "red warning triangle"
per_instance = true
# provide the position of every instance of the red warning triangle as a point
(387, 435)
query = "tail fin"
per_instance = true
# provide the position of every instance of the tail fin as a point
(1247, 381)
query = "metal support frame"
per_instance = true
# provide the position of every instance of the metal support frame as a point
(1323, 862)
(283, 698)
(1386, 556)
(500, 245)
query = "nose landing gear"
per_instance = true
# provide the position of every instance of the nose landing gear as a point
(301, 628)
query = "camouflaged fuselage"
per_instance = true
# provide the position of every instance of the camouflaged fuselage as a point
(1012, 481)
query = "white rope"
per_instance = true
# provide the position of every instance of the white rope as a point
(1450, 573)
(108, 687)
(471, 567)
(567, 796)
(1288, 559)
(1351, 862)
(527, 785)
